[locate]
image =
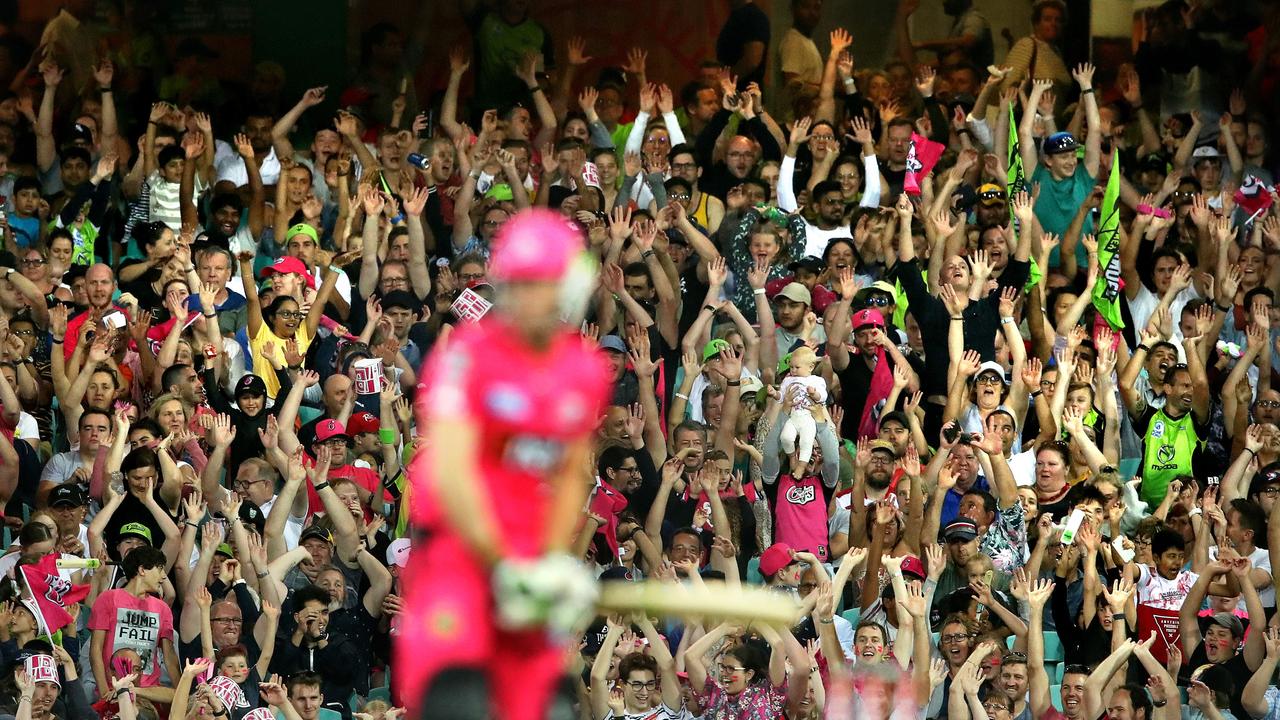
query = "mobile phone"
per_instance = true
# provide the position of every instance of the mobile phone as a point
(1073, 525)
(210, 352)
(951, 432)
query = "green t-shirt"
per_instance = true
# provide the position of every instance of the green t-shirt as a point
(1059, 200)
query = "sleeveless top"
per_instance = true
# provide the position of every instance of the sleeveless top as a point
(1168, 447)
(699, 213)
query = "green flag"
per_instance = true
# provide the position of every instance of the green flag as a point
(1016, 183)
(1106, 292)
(1017, 179)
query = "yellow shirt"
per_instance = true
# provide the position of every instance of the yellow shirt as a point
(257, 346)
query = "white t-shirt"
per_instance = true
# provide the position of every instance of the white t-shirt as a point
(797, 388)
(292, 525)
(230, 166)
(28, 429)
(1260, 559)
(1023, 467)
(662, 712)
(1157, 592)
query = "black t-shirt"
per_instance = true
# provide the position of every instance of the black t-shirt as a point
(855, 386)
(745, 25)
(141, 287)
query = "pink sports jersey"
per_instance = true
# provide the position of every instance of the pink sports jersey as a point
(801, 514)
(528, 405)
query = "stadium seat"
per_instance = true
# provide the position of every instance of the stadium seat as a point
(1055, 696)
(753, 572)
(1052, 647)
(852, 615)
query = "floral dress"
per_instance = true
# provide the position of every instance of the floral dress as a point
(760, 701)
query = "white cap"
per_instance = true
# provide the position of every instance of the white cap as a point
(1206, 152)
(398, 552)
(992, 366)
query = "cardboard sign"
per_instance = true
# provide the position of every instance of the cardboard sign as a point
(470, 306)
(368, 376)
(1167, 627)
(228, 692)
(42, 668)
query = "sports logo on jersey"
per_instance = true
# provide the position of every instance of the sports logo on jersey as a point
(1165, 454)
(507, 402)
(801, 494)
(1157, 429)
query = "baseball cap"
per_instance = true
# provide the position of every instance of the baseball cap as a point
(137, 530)
(302, 229)
(911, 565)
(328, 429)
(714, 348)
(315, 531)
(1228, 621)
(1268, 475)
(810, 263)
(750, 384)
(884, 287)
(992, 366)
(251, 385)
(81, 132)
(534, 245)
(774, 558)
(961, 529)
(867, 317)
(289, 264)
(991, 194)
(613, 343)
(884, 445)
(1060, 142)
(616, 572)
(70, 494)
(398, 552)
(225, 549)
(363, 422)
(251, 514)
(795, 292)
(1153, 163)
(401, 299)
(896, 416)
(1205, 152)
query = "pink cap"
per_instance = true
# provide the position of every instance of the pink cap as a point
(774, 558)
(363, 422)
(328, 429)
(869, 316)
(289, 264)
(536, 244)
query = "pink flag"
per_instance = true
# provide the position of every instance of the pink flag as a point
(51, 594)
(921, 157)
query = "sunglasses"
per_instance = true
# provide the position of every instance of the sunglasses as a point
(883, 301)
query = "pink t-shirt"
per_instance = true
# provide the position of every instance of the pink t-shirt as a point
(529, 406)
(801, 515)
(137, 624)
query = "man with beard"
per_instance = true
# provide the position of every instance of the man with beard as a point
(184, 382)
(706, 210)
(998, 517)
(231, 167)
(743, 152)
(791, 307)
(315, 645)
(961, 538)
(856, 373)
(632, 473)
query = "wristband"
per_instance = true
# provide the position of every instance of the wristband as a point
(57, 341)
(1251, 450)
(957, 317)
(758, 291)
(209, 315)
(682, 396)
(1087, 92)
(106, 89)
(399, 218)
(387, 436)
(1162, 213)
(322, 486)
(1037, 393)
(1142, 347)
(262, 574)
(733, 383)
(1160, 704)
(826, 622)
(1006, 319)
(1226, 309)
(647, 254)
(712, 308)
(1145, 209)
(192, 524)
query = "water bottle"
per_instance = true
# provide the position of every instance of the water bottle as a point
(418, 160)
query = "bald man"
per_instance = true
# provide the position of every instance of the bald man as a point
(100, 286)
(335, 391)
